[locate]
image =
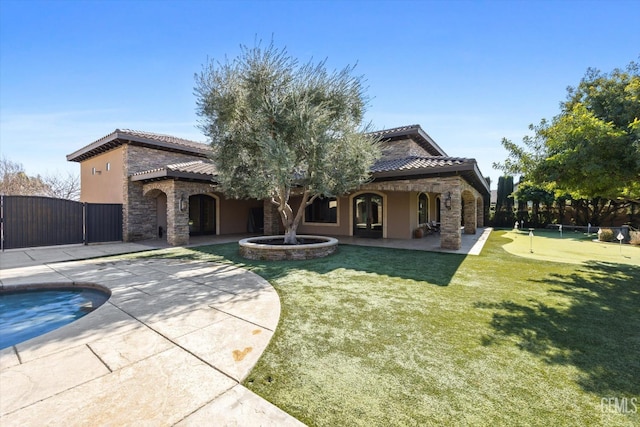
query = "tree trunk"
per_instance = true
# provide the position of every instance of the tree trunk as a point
(290, 236)
(291, 221)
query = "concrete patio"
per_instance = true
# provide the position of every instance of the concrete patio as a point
(170, 347)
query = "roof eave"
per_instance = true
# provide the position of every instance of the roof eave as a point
(426, 136)
(79, 155)
(469, 170)
(419, 135)
(397, 173)
(169, 174)
(119, 137)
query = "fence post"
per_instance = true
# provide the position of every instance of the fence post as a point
(85, 239)
(2, 223)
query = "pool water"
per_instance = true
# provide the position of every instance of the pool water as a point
(30, 313)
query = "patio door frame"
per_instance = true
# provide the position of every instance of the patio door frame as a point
(201, 208)
(370, 230)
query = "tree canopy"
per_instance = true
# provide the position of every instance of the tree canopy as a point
(278, 127)
(592, 148)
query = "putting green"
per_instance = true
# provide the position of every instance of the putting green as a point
(574, 248)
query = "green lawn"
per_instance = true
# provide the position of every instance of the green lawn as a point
(374, 336)
(572, 247)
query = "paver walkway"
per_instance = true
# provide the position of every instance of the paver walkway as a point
(170, 347)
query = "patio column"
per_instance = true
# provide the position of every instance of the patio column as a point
(451, 217)
(480, 211)
(177, 215)
(470, 214)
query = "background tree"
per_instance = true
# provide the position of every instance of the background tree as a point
(14, 181)
(592, 148)
(503, 215)
(537, 196)
(63, 185)
(278, 127)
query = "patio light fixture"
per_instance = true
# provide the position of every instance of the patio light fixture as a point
(447, 201)
(183, 203)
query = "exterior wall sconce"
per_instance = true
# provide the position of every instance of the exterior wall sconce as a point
(447, 201)
(183, 203)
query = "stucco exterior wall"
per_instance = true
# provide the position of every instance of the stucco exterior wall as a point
(399, 215)
(234, 214)
(105, 186)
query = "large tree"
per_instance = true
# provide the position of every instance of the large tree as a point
(279, 128)
(592, 148)
(14, 181)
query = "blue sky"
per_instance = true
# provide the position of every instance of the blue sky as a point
(469, 72)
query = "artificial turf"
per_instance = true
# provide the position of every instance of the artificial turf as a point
(376, 336)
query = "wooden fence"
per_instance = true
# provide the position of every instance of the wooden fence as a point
(31, 221)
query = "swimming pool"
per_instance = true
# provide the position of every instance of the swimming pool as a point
(25, 314)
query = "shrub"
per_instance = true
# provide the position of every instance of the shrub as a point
(635, 237)
(606, 235)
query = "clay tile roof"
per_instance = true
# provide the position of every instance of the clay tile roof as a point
(149, 139)
(413, 162)
(400, 129)
(163, 138)
(198, 166)
(196, 170)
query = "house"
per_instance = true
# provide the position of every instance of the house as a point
(167, 188)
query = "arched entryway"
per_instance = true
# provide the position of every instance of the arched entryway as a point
(368, 215)
(161, 215)
(156, 208)
(202, 215)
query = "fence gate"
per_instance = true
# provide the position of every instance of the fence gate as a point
(31, 221)
(103, 222)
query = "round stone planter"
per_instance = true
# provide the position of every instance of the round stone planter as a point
(257, 248)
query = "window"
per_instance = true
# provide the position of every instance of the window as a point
(423, 208)
(323, 210)
(108, 167)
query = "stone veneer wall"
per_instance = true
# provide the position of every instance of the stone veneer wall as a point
(470, 214)
(177, 219)
(294, 253)
(272, 219)
(401, 149)
(139, 212)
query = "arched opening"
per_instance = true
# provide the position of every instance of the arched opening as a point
(438, 217)
(161, 215)
(368, 215)
(202, 215)
(156, 209)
